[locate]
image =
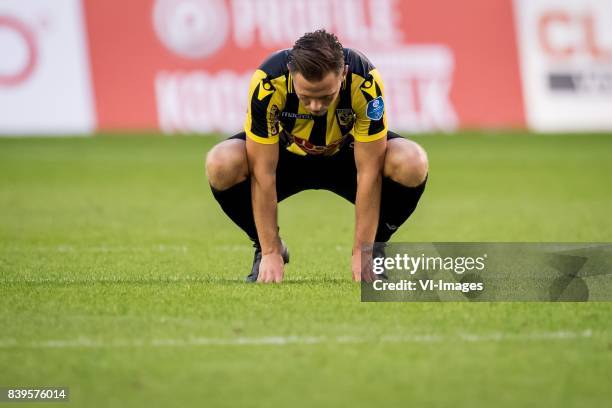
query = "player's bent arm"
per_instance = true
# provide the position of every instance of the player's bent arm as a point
(262, 160)
(369, 160)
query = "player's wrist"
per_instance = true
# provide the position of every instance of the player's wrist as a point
(361, 245)
(275, 248)
(271, 253)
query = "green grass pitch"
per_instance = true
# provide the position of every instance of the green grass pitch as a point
(121, 278)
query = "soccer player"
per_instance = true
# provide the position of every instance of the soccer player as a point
(315, 120)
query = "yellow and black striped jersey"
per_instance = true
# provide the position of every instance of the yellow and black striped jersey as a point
(276, 114)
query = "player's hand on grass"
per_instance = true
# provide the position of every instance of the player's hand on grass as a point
(359, 273)
(271, 268)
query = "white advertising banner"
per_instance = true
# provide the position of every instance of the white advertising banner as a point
(565, 49)
(45, 85)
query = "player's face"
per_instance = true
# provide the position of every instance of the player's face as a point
(317, 96)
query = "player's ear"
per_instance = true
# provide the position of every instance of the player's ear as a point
(345, 72)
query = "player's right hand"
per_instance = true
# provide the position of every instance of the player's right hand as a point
(360, 271)
(271, 268)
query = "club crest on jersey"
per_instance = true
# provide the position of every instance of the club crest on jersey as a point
(345, 117)
(375, 108)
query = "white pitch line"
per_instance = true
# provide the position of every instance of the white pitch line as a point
(84, 342)
(110, 279)
(101, 249)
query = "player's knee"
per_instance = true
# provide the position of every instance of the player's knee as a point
(406, 162)
(226, 165)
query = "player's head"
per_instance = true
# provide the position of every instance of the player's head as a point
(317, 66)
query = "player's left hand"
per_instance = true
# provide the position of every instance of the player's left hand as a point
(271, 268)
(359, 273)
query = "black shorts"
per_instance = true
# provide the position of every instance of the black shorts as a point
(336, 173)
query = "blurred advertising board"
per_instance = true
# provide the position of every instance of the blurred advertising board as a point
(565, 51)
(45, 86)
(184, 65)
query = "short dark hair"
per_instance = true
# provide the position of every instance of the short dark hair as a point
(316, 54)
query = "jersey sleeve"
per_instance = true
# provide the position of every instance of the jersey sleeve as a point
(369, 106)
(266, 101)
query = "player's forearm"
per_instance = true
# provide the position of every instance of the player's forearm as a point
(367, 207)
(264, 201)
(262, 160)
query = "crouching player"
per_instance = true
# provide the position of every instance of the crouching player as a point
(316, 120)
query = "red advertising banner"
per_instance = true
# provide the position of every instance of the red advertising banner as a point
(184, 65)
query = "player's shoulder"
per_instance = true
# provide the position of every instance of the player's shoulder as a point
(358, 63)
(275, 65)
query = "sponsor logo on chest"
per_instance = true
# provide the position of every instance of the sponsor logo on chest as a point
(345, 116)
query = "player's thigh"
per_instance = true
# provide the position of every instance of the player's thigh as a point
(342, 172)
(226, 163)
(405, 161)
